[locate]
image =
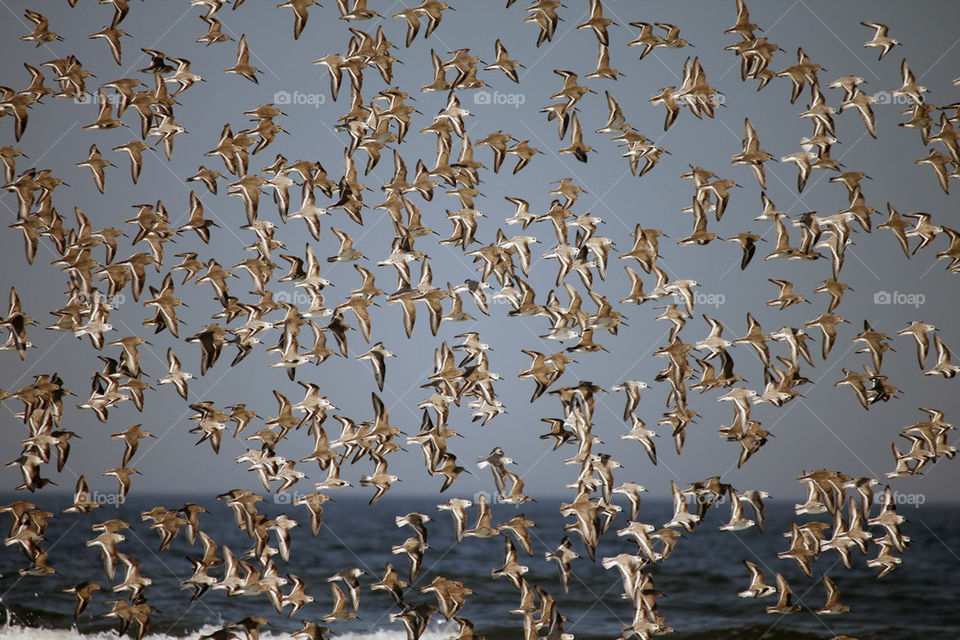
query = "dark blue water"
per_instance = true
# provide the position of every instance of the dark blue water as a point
(699, 581)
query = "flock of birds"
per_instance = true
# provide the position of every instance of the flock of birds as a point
(98, 268)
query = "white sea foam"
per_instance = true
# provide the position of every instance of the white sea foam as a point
(16, 632)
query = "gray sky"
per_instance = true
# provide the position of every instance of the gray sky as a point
(824, 428)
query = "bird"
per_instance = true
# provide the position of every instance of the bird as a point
(314, 504)
(909, 87)
(861, 102)
(84, 592)
(563, 556)
(104, 270)
(415, 618)
(524, 152)
(133, 581)
(632, 390)
(832, 605)
(518, 526)
(96, 162)
(483, 527)
(340, 611)
(758, 588)
(41, 29)
(83, 501)
(176, 376)
(457, 508)
(377, 356)
(502, 61)
(134, 149)
(943, 367)
(379, 479)
(300, 14)
(787, 297)
(243, 67)
(880, 38)
(346, 253)
(197, 222)
(681, 513)
(131, 438)
(391, 583)
(359, 11)
(414, 548)
(577, 147)
(785, 604)
(497, 461)
(919, 330)
(122, 474)
(417, 522)
(631, 491)
(597, 22)
(748, 244)
(451, 595)
(737, 522)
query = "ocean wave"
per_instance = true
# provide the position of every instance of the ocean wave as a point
(18, 632)
(444, 631)
(25, 623)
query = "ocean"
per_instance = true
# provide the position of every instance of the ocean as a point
(699, 581)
